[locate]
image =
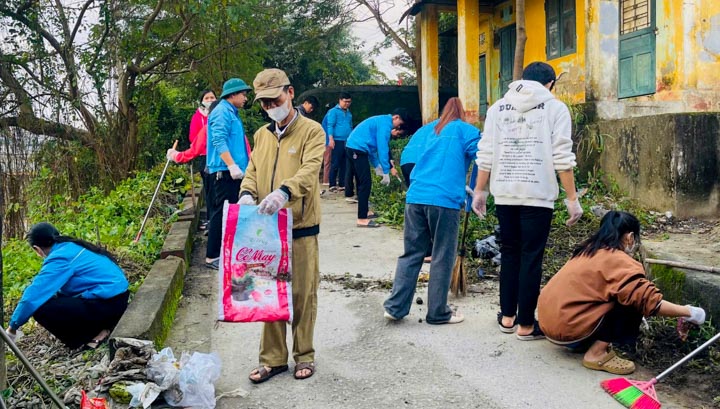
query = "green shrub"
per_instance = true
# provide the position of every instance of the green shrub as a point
(111, 219)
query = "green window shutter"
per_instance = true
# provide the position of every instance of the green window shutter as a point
(483, 86)
(560, 27)
(636, 65)
(508, 36)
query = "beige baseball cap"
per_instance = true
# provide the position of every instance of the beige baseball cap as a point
(269, 83)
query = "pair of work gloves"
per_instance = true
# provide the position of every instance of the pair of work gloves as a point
(270, 205)
(235, 171)
(479, 206)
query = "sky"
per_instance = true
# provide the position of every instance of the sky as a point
(369, 33)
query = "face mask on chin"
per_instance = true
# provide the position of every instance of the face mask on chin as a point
(278, 114)
(630, 250)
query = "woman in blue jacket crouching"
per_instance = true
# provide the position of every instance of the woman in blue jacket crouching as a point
(79, 294)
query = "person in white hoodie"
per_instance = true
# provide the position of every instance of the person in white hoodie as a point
(526, 140)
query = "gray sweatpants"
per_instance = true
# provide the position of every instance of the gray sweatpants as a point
(426, 226)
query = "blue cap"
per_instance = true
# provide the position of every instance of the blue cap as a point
(234, 85)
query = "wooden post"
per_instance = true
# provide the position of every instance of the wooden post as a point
(429, 62)
(469, 57)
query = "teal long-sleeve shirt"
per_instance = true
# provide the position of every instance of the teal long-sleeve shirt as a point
(373, 137)
(438, 178)
(70, 270)
(338, 123)
(226, 134)
(416, 144)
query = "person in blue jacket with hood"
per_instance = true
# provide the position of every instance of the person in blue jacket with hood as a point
(413, 150)
(369, 143)
(432, 215)
(80, 293)
(228, 154)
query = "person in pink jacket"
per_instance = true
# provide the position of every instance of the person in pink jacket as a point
(200, 118)
(198, 140)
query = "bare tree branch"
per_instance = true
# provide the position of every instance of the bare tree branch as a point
(78, 23)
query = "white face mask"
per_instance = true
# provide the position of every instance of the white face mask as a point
(630, 250)
(207, 104)
(278, 114)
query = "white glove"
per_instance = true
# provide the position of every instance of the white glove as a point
(247, 200)
(236, 172)
(697, 315)
(574, 210)
(14, 336)
(379, 171)
(479, 203)
(171, 154)
(273, 202)
(385, 180)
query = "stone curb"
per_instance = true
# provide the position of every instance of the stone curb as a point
(152, 310)
(683, 286)
(154, 303)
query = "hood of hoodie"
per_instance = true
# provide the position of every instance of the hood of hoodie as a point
(525, 95)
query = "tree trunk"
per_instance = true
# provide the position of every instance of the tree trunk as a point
(520, 40)
(3, 368)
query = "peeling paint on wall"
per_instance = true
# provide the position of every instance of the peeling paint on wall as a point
(711, 38)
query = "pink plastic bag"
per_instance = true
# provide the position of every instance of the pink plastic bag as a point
(92, 403)
(255, 265)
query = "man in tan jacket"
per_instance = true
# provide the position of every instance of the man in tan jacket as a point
(283, 172)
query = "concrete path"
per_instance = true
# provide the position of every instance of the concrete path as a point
(363, 361)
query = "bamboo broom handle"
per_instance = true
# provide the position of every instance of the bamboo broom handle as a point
(679, 264)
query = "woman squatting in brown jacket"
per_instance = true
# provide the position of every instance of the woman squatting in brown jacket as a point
(601, 294)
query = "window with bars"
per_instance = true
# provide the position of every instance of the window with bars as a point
(634, 15)
(560, 27)
(636, 54)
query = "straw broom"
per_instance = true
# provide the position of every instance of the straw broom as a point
(458, 280)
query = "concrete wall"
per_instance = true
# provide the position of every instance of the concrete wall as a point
(666, 162)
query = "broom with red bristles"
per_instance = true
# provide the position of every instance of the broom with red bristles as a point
(641, 395)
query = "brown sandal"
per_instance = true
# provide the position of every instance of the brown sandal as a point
(304, 365)
(612, 364)
(265, 374)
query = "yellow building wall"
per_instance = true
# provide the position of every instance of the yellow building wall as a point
(571, 87)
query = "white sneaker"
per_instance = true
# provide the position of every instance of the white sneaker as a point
(389, 317)
(351, 200)
(456, 318)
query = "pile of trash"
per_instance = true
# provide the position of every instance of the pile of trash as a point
(488, 248)
(138, 375)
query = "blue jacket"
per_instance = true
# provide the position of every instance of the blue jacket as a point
(373, 137)
(438, 178)
(71, 270)
(416, 144)
(337, 123)
(225, 133)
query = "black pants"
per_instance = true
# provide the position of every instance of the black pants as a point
(523, 231)
(359, 168)
(337, 165)
(620, 326)
(224, 188)
(406, 171)
(208, 183)
(75, 321)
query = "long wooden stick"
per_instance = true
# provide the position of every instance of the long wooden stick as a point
(680, 264)
(59, 403)
(162, 176)
(192, 186)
